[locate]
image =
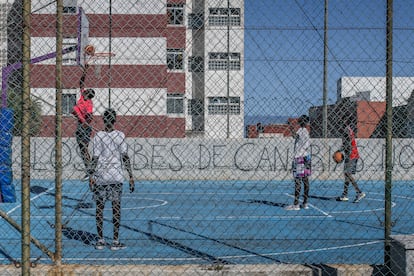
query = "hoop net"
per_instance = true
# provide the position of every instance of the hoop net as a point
(97, 60)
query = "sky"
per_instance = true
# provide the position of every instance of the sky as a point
(284, 49)
(283, 60)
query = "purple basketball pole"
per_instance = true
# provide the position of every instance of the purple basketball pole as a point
(83, 34)
(6, 71)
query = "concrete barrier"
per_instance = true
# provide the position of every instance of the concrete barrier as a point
(402, 255)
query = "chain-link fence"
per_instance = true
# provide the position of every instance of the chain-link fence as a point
(221, 119)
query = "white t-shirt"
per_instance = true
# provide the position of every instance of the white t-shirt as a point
(109, 147)
(302, 142)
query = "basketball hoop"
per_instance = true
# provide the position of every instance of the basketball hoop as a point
(97, 60)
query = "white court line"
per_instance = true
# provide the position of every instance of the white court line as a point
(404, 197)
(223, 218)
(393, 204)
(31, 199)
(234, 218)
(314, 207)
(399, 196)
(208, 193)
(162, 203)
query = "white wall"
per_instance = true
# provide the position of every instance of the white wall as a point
(221, 159)
(102, 6)
(402, 88)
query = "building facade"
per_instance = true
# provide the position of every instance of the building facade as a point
(4, 9)
(362, 100)
(374, 89)
(176, 69)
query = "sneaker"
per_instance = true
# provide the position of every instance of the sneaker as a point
(294, 207)
(86, 177)
(342, 198)
(100, 244)
(359, 196)
(116, 245)
(305, 206)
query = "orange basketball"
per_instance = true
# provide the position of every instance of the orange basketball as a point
(338, 156)
(89, 50)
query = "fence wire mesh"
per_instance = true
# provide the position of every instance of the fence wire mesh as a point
(228, 116)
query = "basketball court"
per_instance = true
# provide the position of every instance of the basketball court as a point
(204, 222)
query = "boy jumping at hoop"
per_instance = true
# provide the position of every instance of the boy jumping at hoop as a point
(109, 154)
(83, 111)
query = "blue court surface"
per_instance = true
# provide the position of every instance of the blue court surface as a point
(205, 222)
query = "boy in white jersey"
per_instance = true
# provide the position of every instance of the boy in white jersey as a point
(109, 156)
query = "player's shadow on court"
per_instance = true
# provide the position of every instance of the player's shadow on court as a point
(38, 189)
(266, 202)
(79, 205)
(212, 258)
(86, 237)
(328, 198)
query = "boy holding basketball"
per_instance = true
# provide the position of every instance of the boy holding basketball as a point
(83, 111)
(351, 156)
(109, 156)
(301, 165)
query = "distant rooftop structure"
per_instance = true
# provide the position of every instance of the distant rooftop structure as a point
(374, 89)
(361, 96)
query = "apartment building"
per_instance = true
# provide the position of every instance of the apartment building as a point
(4, 9)
(176, 69)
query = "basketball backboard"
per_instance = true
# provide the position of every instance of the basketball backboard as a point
(83, 36)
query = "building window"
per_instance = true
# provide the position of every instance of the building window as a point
(69, 10)
(196, 20)
(220, 105)
(224, 61)
(69, 58)
(175, 59)
(175, 14)
(68, 102)
(175, 104)
(221, 16)
(70, 6)
(196, 64)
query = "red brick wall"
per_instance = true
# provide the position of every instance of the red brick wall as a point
(132, 126)
(252, 132)
(369, 115)
(284, 129)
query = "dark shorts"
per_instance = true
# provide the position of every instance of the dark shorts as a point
(350, 165)
(110, 192)
(83, 134)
